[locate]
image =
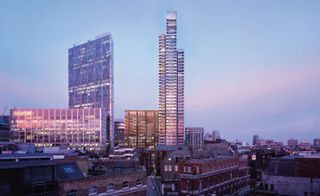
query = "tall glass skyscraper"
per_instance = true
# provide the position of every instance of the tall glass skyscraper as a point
(171, 85)
(91, 77)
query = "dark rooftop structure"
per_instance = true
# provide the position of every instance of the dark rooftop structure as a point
(4, 130)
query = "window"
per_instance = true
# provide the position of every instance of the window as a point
(139, 182)
(165, 168)
(170, 168)
(176, 167)
(110, 187)
(92, 190)
(68, 169)
(125, 185)
(72, 193)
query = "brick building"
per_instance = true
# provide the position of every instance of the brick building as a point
(220, 175)
(184, 172)
(122, 183)
(291, 175)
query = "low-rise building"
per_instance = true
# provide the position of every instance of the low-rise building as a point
(305, 146)
(113, 178)
(185, 172)
(291, 175)
(66, 175)
(220, 175)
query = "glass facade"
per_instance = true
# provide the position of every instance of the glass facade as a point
(171, 85)
(141, 128)
(119, 132)
(69, 128)
(194, 137)
(91, 77)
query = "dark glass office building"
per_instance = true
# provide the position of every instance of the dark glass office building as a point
(91, 77)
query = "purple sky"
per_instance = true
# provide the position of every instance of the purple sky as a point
(252, 67)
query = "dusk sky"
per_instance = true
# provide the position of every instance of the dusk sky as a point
(251, 67)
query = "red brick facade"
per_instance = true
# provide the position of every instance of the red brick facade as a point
(221, 176)
(136, 185)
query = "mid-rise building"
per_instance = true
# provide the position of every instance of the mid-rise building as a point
(67, 128)
(141, 128)
(292, 143)
(255, 139)
(91, 77)
(194, 137)
(119, 132)
(199, 173)
(222, 175)
(171, 85)
(316, 142)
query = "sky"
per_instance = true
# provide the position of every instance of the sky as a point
(251, 67)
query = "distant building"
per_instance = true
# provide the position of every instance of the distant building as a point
(217, 148)
(291, 175)
(215, 135)
(67, 128)
(91, 78)
(4, 131)
(194, 137)
(123, 154)
(5, 118)
(171, 85)
(292, 143)
(141, 128)
(255, 139)
(119, 127)
(208, 137)
(306, 146)
(316, 142)
(265, 144)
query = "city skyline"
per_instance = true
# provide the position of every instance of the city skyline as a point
(253, 69)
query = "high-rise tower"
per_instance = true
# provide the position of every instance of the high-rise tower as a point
(171, 85)
(91, 78)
